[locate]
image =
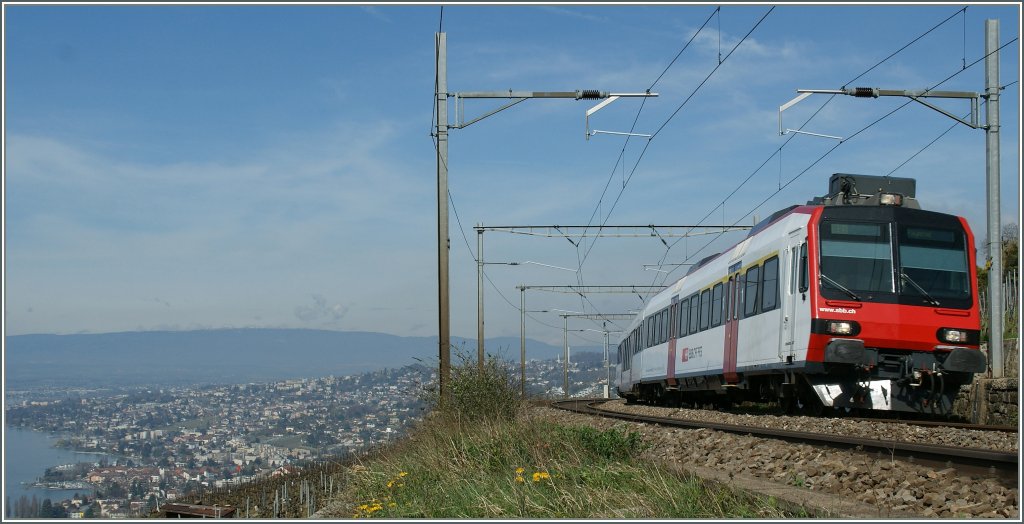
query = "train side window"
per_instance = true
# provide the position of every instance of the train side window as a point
(734, 297)
(705, 309)
(657, 330)
(656, 334)
(684, 308)
(652, 335)
(793, 265)
(750, 292)
(662, 326)
(672, 315)
(651, 323)
(770, 284)
(666, 322)
(803, 267)
(694, 313)
(716, 305)
(666, 325)
(643, 336)
(727, 302)
(739, 295)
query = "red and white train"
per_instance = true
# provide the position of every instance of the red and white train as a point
(859, 299)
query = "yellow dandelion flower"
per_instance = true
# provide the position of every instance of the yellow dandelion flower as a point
(520, 470)
(391, 483)
(391, 504)
(402, 474)
(520, 479)
(540, 475)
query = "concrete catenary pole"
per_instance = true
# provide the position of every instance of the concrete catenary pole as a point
(565, 357)
(522, 341)
(607, 363)
(995, 247)
(480, 295)
(441, 94)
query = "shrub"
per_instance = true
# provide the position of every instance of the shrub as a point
(475, 392)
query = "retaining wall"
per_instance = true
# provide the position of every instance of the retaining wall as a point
(994, 400)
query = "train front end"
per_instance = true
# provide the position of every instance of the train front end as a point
(894, 313)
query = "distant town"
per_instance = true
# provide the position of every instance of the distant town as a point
(162, 444)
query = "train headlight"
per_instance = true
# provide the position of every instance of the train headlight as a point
(890, 199)
(953, 335)
(842, 327)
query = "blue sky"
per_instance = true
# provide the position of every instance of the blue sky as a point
(184, 167)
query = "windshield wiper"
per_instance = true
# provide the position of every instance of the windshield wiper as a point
(839, 286)
(920, 289)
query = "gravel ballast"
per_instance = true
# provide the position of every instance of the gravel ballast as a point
(886, 486)
(881, 430)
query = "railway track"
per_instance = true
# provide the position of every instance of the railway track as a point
(966, 460)
(938, 424)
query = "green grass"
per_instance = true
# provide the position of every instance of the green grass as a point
(530, 469)
(481, 455)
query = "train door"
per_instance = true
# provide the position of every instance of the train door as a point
(731, 312)
(790, 268)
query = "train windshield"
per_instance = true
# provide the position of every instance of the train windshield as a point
(933, 264)
(910, 260)
(856, 260)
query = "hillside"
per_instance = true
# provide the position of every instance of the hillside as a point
(224, 355)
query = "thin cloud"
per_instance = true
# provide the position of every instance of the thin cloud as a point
(320, 312)
(374, 12)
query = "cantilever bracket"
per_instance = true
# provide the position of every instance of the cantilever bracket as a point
(460, 111)
(792, 103)
(973, 124)
(611, 98)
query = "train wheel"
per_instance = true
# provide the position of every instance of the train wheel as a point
(810, 405)
(675, 400)
(789, 405)
(803, 402)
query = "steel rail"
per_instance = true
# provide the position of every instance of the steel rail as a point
(991, 461)
(938, 424)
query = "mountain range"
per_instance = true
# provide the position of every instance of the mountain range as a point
(229, 355)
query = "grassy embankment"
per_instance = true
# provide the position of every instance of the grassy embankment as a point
(481, 455)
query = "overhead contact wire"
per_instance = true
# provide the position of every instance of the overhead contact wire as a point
(779, 150)
(858, 132)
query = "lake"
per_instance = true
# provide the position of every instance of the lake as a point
(27, 454)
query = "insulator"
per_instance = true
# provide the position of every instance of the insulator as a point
(865, 92)
(590, 94)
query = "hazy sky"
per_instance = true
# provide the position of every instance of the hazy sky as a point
(182, 167)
